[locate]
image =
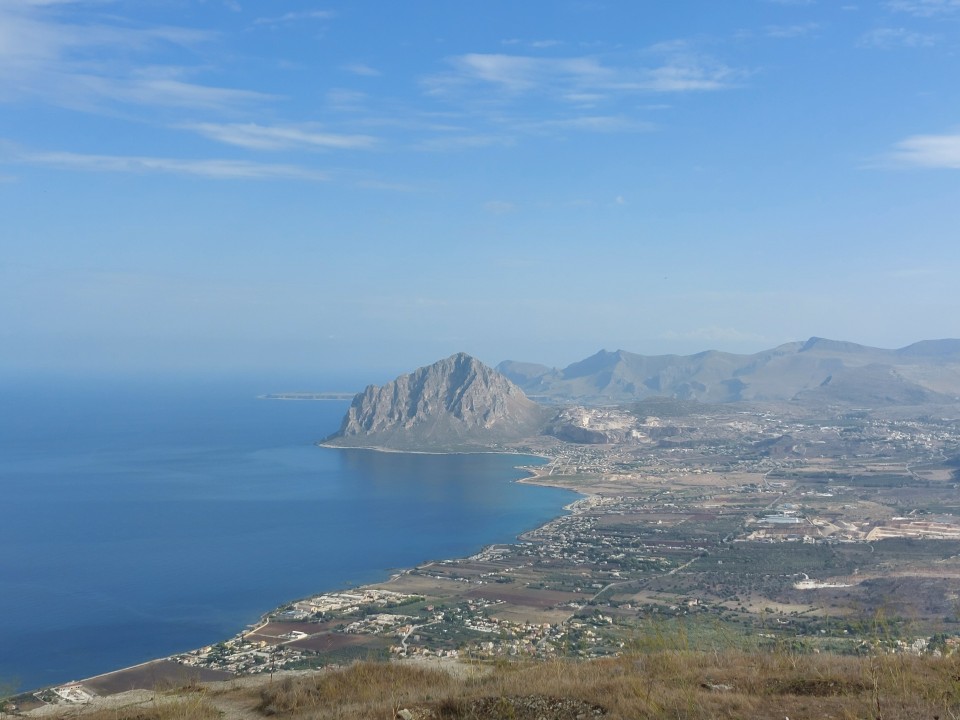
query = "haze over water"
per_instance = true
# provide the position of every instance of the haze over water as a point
(141, 520)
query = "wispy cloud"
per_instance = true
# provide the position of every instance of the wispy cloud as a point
(536, 44)
(362, 69)
(212, 168)
(925, 8)
(687, 75)
(928, 151)
(445, 143)
(506, 97)
(277, 137)
(344, 100)
(888, 38)
(517, 73)
(293, 17)
(85, 61)
(791, 31)
(591, 123)
(143, 89)
(573, 76)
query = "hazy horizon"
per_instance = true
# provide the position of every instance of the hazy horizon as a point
(304, 188)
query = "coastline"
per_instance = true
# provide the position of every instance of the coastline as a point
(166, 662)
(398, 451)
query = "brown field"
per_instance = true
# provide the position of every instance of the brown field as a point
(152, 675)
(633, 519)
(329, 642)
(466, 567)
(271, 632)
(421, 585)
(524, 596)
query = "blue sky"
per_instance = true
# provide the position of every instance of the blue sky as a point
(368, 186)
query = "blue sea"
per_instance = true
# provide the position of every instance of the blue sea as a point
(140, 519)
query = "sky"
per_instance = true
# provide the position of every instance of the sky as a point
(367, 186)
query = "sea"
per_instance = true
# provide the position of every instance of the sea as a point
(142, 518)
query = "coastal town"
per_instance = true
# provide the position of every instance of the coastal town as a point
(720, 527)
(747, 523)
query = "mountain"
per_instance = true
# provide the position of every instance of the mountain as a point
(455, 404)
(817, 371)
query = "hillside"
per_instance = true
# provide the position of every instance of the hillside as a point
(671, 681)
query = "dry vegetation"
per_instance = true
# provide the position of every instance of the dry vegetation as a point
(679, 684)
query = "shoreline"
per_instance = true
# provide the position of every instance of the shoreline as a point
(533, 478)
(398, 451)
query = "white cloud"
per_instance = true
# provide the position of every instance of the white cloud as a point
(791, 31)
(29, 37)
(362, 69)
(574, 76)
(538, 44)
(887, 38)
(343, 100)
(687, 76)
(212, 169)
(584, 98)
(14, 3)
(516, 73)
(925, 8)
(175, 93)
(276, 137)
(83, 61)
(292, 17)
(928, 151)
(444, 143)
(591, 123)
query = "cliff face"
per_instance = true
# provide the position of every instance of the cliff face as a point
(456, 403)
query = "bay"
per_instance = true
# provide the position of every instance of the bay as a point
(140, 519)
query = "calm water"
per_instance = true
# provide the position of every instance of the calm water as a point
(142, 520)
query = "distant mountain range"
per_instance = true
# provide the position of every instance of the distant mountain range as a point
(461, 404)
(815, 371)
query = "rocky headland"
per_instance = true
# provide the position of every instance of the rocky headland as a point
(455, 404)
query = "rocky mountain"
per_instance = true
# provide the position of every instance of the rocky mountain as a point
(817, 371)
(457, 403)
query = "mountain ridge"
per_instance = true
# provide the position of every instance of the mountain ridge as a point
(801, 371)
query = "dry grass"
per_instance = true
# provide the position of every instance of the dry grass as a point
(187, 703)
(362, 690)
(677, 684)
(666, 684)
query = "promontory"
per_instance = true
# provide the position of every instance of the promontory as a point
(455, 404)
